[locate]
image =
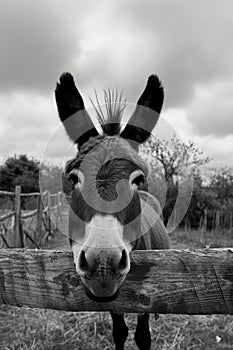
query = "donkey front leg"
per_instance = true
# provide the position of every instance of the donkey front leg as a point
(142, 335)
(120, 330)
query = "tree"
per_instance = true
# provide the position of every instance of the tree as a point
(221, 182)
(175, 156)
(171, 162)
(53, 179)
(20, 170)
(203, 198)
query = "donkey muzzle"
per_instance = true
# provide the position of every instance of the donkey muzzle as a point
(103, 272)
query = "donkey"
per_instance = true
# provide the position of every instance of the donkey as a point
(107, 220)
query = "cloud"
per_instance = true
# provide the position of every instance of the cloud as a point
(211, 133)
(211, 110)
(26, 122)
(118, 43)
(30, 124)
(186, 43)
(38, 41)
(217, 148)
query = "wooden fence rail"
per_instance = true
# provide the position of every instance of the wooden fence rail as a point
(7, 216)
(168, 281)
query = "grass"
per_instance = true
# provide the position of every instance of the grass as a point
(23, 328)
(201, 239)
(38, 329)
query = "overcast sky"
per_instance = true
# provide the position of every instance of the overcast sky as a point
(116, 43)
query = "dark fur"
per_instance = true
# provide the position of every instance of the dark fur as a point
(72, 113)
(146, 113)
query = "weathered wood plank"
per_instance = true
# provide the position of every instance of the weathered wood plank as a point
(31, 194)
(169, 281)
(4, 241)
(7, 193)
(29, 214)
(45, 209)
(18, 233)
(7, 216)
(38, 232)
(28, 235)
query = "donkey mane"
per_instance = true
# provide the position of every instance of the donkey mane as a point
(110, 114)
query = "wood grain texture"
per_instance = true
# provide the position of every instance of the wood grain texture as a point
(168, 281)
(7, 216)
(18, 232)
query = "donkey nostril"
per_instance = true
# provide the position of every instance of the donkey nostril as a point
(123, 264)
(87, 262)
(83, 265)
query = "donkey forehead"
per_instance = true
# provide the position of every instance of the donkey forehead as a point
(99, 151)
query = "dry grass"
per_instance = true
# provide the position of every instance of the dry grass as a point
(37, 329)
(202, 239)
(23, 328)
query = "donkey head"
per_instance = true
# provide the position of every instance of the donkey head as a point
(104, 220)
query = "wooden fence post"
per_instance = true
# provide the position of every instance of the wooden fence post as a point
(49, 213)
(59, 210)
(38, 234)
(18, 231)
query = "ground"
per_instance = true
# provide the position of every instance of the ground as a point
(38, 329)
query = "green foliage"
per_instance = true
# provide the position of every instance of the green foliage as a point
(221, 186)
(203, 198)
(20, 170)
(171, 162)
(221, 183)
(23, 171)
(175, 156)
(53, 179)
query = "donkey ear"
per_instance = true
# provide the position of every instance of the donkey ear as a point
(146, 113)
(72, 113)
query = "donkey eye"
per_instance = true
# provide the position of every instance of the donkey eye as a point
(139, 180)
(74, 178)
(77, 178)
(136, 178)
